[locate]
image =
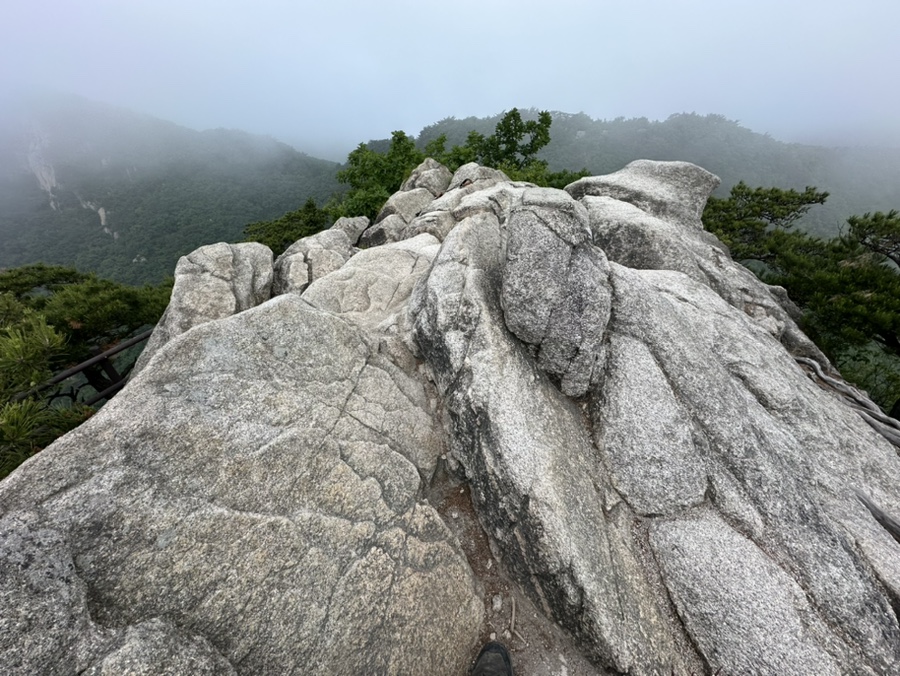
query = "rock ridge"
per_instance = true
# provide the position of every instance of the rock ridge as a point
(582, 380)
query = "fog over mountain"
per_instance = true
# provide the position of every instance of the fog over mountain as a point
(125, 194)
(323, 76)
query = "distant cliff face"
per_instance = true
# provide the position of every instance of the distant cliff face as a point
(125, 195)
(564, 418)
(42, 169)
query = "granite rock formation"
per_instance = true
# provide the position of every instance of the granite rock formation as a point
(653, 460)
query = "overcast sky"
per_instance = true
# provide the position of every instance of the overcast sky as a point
(326, 75)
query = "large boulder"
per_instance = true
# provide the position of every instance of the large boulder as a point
(637, 239)
(406, 204)
(432, 175)
(310, 258)
(555, 292)
(259, 486)
(391, 228)
(474, 174)
(436, 223)
(570, 403)
(352, 227)
(701, 460)
(213, 282)
(674, 191)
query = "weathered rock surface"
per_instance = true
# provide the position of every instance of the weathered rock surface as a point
(353, 227)
(259, 486)
(481, 177)
(154, 648)
(213, 282)
(311, 258)
(406, 204)
(45, 627)
(555, 292)
(375, 283)
(432, 175)
(673, 191)
(655, 474)
(435, 223)
(636, 239)
(698, 408)
(390, 229)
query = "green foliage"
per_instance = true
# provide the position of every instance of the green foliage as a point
(436, 149)
(745, 219)
(538, 173)
(28, 347)
(878, 232)
(850, 295)
(38, 279)
(847, 288)
(512, 148)
(51, 317)
(279, 234)
(454, 158)
(97, 312)
(11, 310)
(28, 426)
(88, 311)
(875, 370)
(373, 177)
(515, 142)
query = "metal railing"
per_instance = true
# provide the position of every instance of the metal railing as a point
(99, 371)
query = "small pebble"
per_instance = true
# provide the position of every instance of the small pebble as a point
(497, 603)
(507, 635)
(489, 563)
(493, 635)
(454, 514)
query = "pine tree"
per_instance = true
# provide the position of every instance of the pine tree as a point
(51, 318)
(848, 287)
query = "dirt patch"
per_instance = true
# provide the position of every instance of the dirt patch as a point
(536, 644)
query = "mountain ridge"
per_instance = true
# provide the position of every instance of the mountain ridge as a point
(859, 179)
(125, 194)
(568, 402)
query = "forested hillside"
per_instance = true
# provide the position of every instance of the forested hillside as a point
(124, 195)
(858, 180)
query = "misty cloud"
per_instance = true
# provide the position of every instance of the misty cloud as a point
(325, 76)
